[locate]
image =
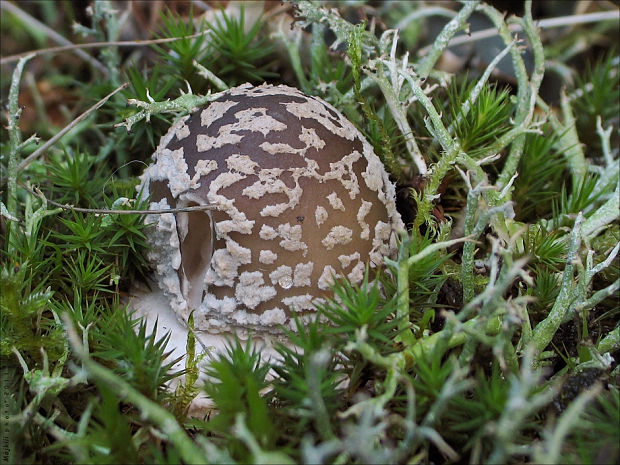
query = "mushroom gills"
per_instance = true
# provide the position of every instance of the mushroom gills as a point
(195, 230)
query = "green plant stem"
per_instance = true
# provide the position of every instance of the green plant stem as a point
(548, 23)
(394, 364)
(485, 302)
(454, 338)
(467, 268)
(397, 110)
(403, 307)
(211, 77)
(544, 331)
(259, 456)
(183, 104)
(452, 153)
(599, 296)
(569, 142)
(420, 13)
(574, 152)
(467, 261)
(609, 176)
(604, 215)
(292, 47)
(528, 90)
(451, 147)
(9, 446)
(113, 26)
(611, 342)
(14, 145)
(315, 13)
(441, 42)
(316, 365)
(605, 135)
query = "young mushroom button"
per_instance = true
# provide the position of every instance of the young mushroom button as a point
(298, 197)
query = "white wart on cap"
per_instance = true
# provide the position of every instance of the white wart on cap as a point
(298, 197)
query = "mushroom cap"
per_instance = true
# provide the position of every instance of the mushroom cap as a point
(297, 198)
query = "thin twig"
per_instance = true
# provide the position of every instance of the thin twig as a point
(67, 128)
(105, 211)
(39, 26)
(543, 24)
(444, 38)
(128, 43)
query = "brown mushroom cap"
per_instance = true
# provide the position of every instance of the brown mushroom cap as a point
(298, 198)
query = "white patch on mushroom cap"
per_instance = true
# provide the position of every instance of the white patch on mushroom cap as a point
(223, 181)
(335, 201)
(241, 163)
(238, 224)
(291, 238)
(213, 305)
(269, 182)
(282, 275)
(303, 273)
(245, 318)
(299, 302)
(238, 252)
(171, 166)
(372, 175)
(273, 317)
(182, 132)
(251, 289)
(243, 89)
(215, 111)
(316, 110)
(267, 233)
(202, 168)
(204, 142)
(166, 254)
(343, 171)
(309, 137)
(357, 274)
(381, 242)
(338, 235)
(267, 257)
(320, 215)
(327, 278)
(238, 220)
(223, 268)
(346, 260)
(254, 120)
(361, 214)
(278, 148)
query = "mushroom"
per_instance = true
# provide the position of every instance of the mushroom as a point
(297, 198)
